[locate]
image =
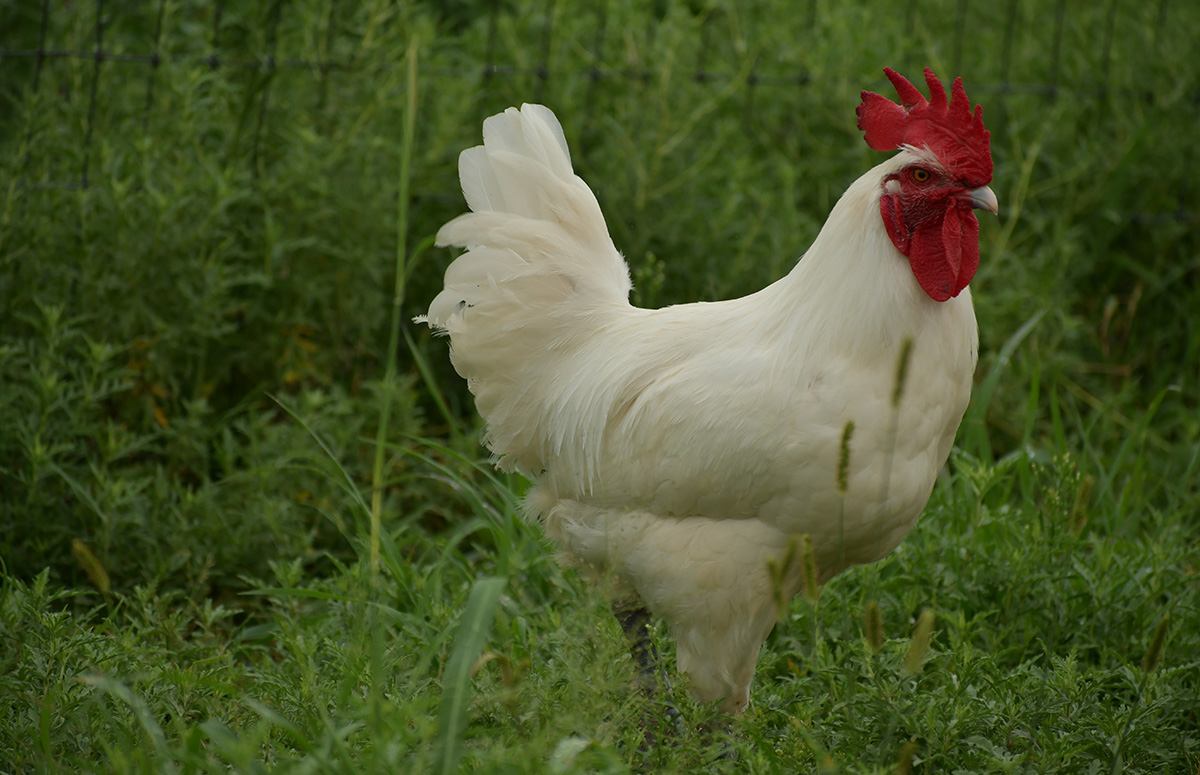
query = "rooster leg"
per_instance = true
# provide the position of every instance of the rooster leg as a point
(635, 622)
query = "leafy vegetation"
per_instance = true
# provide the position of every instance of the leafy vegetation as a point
(245, 523)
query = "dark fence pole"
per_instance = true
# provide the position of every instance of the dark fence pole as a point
(155, 60)
(98, 57)
(268, 66)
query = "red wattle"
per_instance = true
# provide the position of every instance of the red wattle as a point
(952, 241)
(970, 248)
(945, 256)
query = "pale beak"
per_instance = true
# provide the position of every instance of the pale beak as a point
(983, 198)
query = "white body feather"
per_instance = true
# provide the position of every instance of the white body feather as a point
(680, 449)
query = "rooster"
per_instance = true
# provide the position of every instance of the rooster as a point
(682, 452)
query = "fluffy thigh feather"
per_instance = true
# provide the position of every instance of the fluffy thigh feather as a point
(708, 578)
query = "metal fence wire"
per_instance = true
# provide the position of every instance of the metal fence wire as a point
(325, 51)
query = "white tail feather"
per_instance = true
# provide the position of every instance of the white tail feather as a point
(539, 277)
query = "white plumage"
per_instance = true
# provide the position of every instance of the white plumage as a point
(679, 450)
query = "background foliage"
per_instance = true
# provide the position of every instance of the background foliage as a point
(199, 238)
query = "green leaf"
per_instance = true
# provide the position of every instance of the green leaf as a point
(456, 684)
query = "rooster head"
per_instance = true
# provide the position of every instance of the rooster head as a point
(928, 205)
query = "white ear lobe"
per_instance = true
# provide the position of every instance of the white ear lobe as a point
(892, 186)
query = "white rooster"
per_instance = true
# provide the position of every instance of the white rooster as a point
(679, 451)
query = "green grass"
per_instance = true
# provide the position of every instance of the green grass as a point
(245, 523)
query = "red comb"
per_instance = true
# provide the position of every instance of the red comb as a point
(951, 132)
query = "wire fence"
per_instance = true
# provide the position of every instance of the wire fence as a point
(1052, 22)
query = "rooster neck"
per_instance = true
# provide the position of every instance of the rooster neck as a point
(853, 293)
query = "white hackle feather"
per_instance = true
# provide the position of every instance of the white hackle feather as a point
(680, 450)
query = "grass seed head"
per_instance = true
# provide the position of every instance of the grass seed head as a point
(91, 565)
(1079, 511)
(904, 761)
(902, 370)
(914, 660)
(843, 469)
(1157, 643)
(873, 626)
(809, 575)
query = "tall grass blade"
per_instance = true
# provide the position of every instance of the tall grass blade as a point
(1129, 450)
(435, 392)
(347, 483)
(120, 692)
(974, 424)
(406, 149)
(843, 483)
(456, 682)
(778, 570)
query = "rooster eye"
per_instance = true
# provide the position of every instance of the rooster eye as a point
(920, 175)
